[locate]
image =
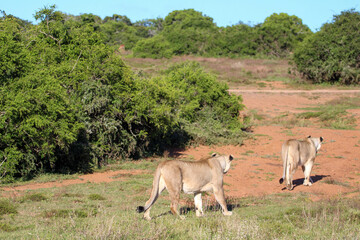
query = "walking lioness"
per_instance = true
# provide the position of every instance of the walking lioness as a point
(192, 178)
(296, 153)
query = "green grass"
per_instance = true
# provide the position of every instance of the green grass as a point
(333, 114)
(34, 197)
(6, 207)
(107, 211)
(96, 196)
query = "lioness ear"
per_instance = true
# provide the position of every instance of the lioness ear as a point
(231, 157)
(321, 139)
(309, 136)
(213, 155)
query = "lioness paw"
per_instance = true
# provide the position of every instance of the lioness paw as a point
(227, 213)
(199, 214)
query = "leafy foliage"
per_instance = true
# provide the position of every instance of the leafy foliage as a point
(333, 53)
(155, 47)
(238, 40)
(69, 102)
(189, 32)
(209, 114)
(280, 33)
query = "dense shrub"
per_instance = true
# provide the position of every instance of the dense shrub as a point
(279, 34)
(155, 47)
(333, 53)
(208, 113)
(71, 103)
(62, 112)
(190, 32)
(237, 40)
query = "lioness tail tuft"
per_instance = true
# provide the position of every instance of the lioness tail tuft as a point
(140, 209)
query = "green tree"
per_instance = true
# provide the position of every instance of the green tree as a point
(150, 27)
(13, 60)
(280, 33)
(189, 32)
(238, 40)
(119, 32)
(333, 53)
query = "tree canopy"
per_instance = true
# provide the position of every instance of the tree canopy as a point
(333, 53)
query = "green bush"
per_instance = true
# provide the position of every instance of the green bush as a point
(59, 113)
(155, 47)
(208, 112)
(332, 54)
(190, 32)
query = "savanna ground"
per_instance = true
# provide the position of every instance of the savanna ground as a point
(102, 205)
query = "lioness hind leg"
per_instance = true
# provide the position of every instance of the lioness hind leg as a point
(175, 197)
(220, 198)
(162, 187)
(173, 186)
(198, 205)
(307, 171)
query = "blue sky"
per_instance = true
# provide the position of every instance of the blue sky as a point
(314, 13)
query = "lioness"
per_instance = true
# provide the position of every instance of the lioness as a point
(296, 153)
(192, 178)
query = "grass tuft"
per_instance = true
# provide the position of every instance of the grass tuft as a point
(96, 196)
(6, 227)
(35, 197)
(6, 207)
(64, 213)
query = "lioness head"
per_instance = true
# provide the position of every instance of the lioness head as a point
(227, 161)
(317, 142)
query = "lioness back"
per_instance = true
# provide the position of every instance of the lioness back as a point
(296, 153)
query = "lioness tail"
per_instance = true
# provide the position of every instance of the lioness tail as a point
(154, 192)
(140, 209)
(281, 180)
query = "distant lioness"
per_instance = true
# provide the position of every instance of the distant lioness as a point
(192, 178)
(296, 153)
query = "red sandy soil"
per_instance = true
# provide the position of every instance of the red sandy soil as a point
(258, 166)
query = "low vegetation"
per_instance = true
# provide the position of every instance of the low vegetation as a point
(333, 114)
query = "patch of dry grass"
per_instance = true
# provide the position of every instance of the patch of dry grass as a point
(233, 71)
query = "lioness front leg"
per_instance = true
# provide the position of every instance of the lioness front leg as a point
(198, 205)
(220, 198)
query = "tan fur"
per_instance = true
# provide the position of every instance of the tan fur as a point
(192, 178)
(296, 153)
